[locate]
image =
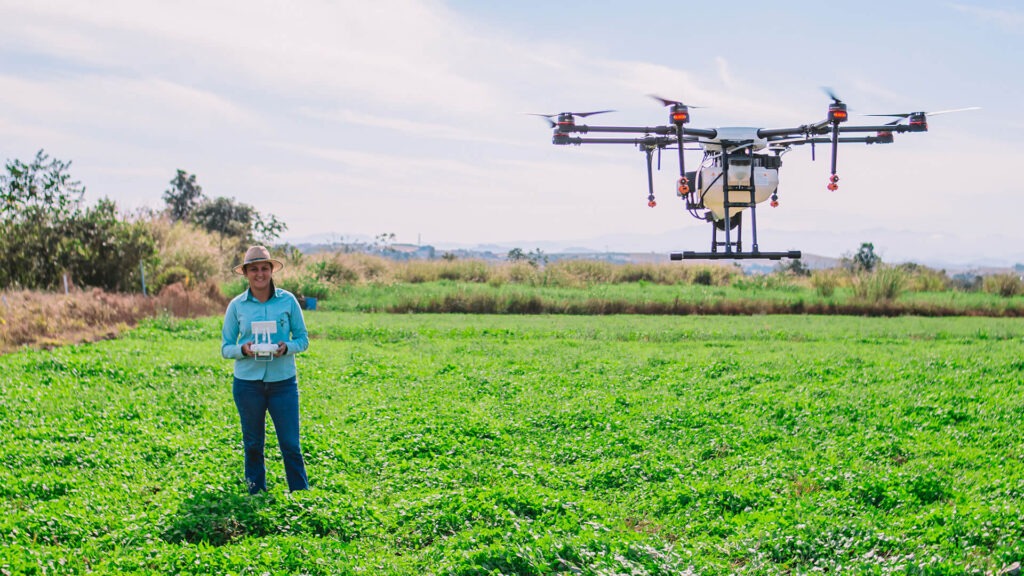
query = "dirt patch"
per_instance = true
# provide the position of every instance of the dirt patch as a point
(45, 320)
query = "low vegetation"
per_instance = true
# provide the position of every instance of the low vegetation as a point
(361, 282)
(483, 445)
(46, 320)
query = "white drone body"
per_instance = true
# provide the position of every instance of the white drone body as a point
(709, 181)
(262, 349)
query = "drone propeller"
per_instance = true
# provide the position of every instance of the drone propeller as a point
(577, 114)
(832, 94)
(550, 117)
(905, 115)
(547, 118)
(667, 102)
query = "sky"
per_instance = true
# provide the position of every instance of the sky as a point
(348, 119)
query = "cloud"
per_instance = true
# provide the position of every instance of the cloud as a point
(404, 125)
(1008, 20)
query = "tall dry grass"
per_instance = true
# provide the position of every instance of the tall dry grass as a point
(185, 247)
(883, 284)
(318, 273)
(924, 279)
(45, 320)
(1005, 285)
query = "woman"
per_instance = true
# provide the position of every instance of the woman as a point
(268, 383)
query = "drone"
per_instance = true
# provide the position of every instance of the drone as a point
(740, 168)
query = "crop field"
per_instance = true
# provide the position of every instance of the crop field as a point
(473, 445)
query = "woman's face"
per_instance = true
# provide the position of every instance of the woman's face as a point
(259, 275)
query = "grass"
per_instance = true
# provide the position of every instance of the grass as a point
(46, 320)
(460, 444)
(754, 296)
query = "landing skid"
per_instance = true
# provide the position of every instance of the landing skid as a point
(690, 255)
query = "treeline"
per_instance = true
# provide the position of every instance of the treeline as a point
(50, 238)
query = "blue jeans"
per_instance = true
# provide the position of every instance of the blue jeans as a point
(254, 398)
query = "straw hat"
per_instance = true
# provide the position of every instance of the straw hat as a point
(258, 254)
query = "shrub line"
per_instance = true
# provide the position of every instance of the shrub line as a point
(532, 304)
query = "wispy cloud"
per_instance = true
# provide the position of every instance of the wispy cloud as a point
(1006, 19)
(404, 125)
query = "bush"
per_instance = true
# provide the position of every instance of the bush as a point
(825, 282)
(626, 273)
(303, 286)
(172, 275)
(883, 284)
(924, 279)
(234, 287)
(333, 272)
(702, 277)
(417, 272)
(181, 245)
(519, 273)
(1005, 285)
(463, 270)
(579, 273)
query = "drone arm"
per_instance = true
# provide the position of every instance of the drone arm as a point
(584, 129)
(663, 130)
(827, 140)
(806, 129)
(657, 142)
(884, 128)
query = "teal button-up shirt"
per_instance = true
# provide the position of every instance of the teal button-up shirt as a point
(283, 308)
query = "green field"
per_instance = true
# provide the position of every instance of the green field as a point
(752, 296)
(450, 444)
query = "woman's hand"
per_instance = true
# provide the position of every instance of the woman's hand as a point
(247, 349)
(282, 349)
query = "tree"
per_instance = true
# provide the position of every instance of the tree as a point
(238, 222)
(45, 233)
(865, 258)
(183, 197)
(382, 242)
(266, 230)
(38, 201)
(105, 249)
(535, 257)
(41, 188)
(228, 218)
(794, 266)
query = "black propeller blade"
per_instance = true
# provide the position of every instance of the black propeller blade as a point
(667, 102)
(577, 114)
(831, 94)
(549, 117)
